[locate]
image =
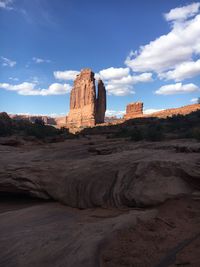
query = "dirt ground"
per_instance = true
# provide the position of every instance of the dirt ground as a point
(171, 239)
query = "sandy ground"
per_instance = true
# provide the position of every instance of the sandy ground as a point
(171, 239)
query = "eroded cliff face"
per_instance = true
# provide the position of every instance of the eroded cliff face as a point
(82, 101)
(134, 110)
(85, 109)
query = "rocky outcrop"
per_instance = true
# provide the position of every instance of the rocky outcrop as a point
(32, 118)
(85, 109)
(134, 110)
(176, 111)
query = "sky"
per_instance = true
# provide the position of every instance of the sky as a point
(143, 50)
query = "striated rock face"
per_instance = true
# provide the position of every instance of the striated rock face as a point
(134, 110)
(85, 109)
(82, 100)
(116, 174)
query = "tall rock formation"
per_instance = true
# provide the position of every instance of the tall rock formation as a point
(85, 109)
(101, 102)
(134, 110)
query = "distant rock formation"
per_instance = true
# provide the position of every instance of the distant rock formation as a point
(85, 109)
(134, 110)
(32, 118)
(175, 111)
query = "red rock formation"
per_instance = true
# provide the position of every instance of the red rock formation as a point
(85, 109)
(134, 110)
(101, 103)
(175, 111)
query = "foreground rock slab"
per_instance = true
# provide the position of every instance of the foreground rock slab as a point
(54, 235)
(130, 175)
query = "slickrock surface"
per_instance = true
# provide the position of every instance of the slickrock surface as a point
(143, 198)
(85, 109)
(134, 110)
(54, 235)
(102, 172)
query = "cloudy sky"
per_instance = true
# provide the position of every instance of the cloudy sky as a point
(143, 50)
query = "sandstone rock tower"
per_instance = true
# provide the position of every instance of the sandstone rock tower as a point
(85, 109)
(134, 110)
(101, 102)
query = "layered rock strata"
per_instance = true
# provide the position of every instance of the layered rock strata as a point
(85, 109)
(134, 110)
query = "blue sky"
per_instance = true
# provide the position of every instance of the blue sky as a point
(143, 50)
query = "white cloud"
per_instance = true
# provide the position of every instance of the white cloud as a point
(66, 75)
(40, 60)
(183, 71)
(113, 73)
(5, 4)
(151, 110)
(117, 113)
(6, 62)
(177, 88)
(27, 88)
(167, 51)
(119, 90)
(182, 13)
(194, 100)
(13, 79)
(128, 80)
(124, 85)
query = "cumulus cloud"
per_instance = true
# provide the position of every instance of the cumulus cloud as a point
(124, 86)
(119, 90)
(6, 4)
(66, 75)
(183, 71)
(177, 88)
(120, 82)
(113, 73)
(117, 113)
(168, 51)
(40, 60)
(27, 88)
(6, 62)
(182, 13)
(194, 100)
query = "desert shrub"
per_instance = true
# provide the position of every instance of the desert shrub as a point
(154, 133)
(137, 134)
(39, 122)
(196, 133)
(41, 131)
(123, 133)
(5, 124)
